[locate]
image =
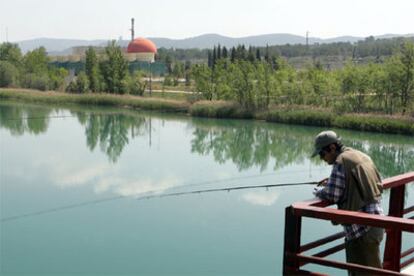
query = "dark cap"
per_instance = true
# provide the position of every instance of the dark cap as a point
(323, 139)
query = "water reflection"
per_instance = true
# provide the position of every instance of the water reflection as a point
(261, 145)
(252, 144)
(246, 144)
(111, 132)
(15, 119)
(262, 198)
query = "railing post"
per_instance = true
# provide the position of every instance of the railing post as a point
(392, 253)
(292, 242)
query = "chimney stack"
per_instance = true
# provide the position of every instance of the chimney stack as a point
(132, 29)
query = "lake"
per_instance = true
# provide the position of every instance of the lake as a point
(73, 179)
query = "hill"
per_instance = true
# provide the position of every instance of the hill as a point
(63, 46)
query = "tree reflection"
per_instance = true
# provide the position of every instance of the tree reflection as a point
(19, 120)
(111, 131)
(249, 144)
(245, 143)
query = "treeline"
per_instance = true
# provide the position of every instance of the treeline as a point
(108, 73)
(370, 47)
(255, 82)
(31, 70)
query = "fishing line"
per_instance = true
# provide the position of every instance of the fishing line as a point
(233, 179)
(228, 189)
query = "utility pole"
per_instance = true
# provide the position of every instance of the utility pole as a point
(132, 29)
(7, 34)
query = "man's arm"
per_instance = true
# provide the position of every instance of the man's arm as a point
(335, 185)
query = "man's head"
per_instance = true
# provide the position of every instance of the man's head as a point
(327, 145)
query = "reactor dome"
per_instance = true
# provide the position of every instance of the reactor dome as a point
(141, 45)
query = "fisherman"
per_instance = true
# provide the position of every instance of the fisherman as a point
(354, 185)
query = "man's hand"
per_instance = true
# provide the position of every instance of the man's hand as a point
(323, 182)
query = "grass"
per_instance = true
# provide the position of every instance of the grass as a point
(302, 117)
(159, 104)
(221, 109)
(326, 118)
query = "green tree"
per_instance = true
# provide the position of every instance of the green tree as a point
(114, 69)
(36, 61)
(407, 62)
(137, 85)
(92, 69)
(82, 83)
(9, 74)
(57, 78)
(11, 53)
(202, 75)
(187, 73)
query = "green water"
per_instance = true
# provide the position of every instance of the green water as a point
(71, 179)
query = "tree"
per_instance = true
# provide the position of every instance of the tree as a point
(407, 62)
(214, 58)
(202, 75)
(36, 61)
(92, 69)
(233, 54)
(114, 69)
(11, 53)
(187, 73)
(168, 64)
(8, 74)
(250, 56)
(82, 83)
(225, 52)
(210, 59)
(177, 72)
(258, 56)
(57, 78)
(218, 52)
(137, 84)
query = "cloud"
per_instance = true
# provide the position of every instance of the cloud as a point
(79, 177)
(127, 187)
(261, 198)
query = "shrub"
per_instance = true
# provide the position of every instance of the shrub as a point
(136, 84)
(303, 117)
(36, 81)
(82, 83)
(8, 74)
(219, 109)
(375, 123)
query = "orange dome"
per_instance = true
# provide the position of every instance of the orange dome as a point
(141, 45)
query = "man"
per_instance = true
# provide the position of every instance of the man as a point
(355, 185)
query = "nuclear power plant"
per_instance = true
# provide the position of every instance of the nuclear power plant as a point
(140, 53)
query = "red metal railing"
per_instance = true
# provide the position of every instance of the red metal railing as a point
(394, 223)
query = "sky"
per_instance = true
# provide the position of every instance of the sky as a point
(176, 19)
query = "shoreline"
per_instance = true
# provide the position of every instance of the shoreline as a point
(224, 110)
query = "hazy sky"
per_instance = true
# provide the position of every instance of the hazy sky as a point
(110, 19)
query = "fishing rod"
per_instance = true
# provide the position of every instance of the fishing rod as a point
(228, 189)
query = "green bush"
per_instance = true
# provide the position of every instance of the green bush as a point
(36, 81)
(136, 84)
(303, 117)
(375, 123)
(219, 109)
(8, 74)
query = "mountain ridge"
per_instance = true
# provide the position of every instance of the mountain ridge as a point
(63, 46)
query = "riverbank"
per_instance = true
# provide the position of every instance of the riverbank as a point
(101, 99)
(221, 109)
